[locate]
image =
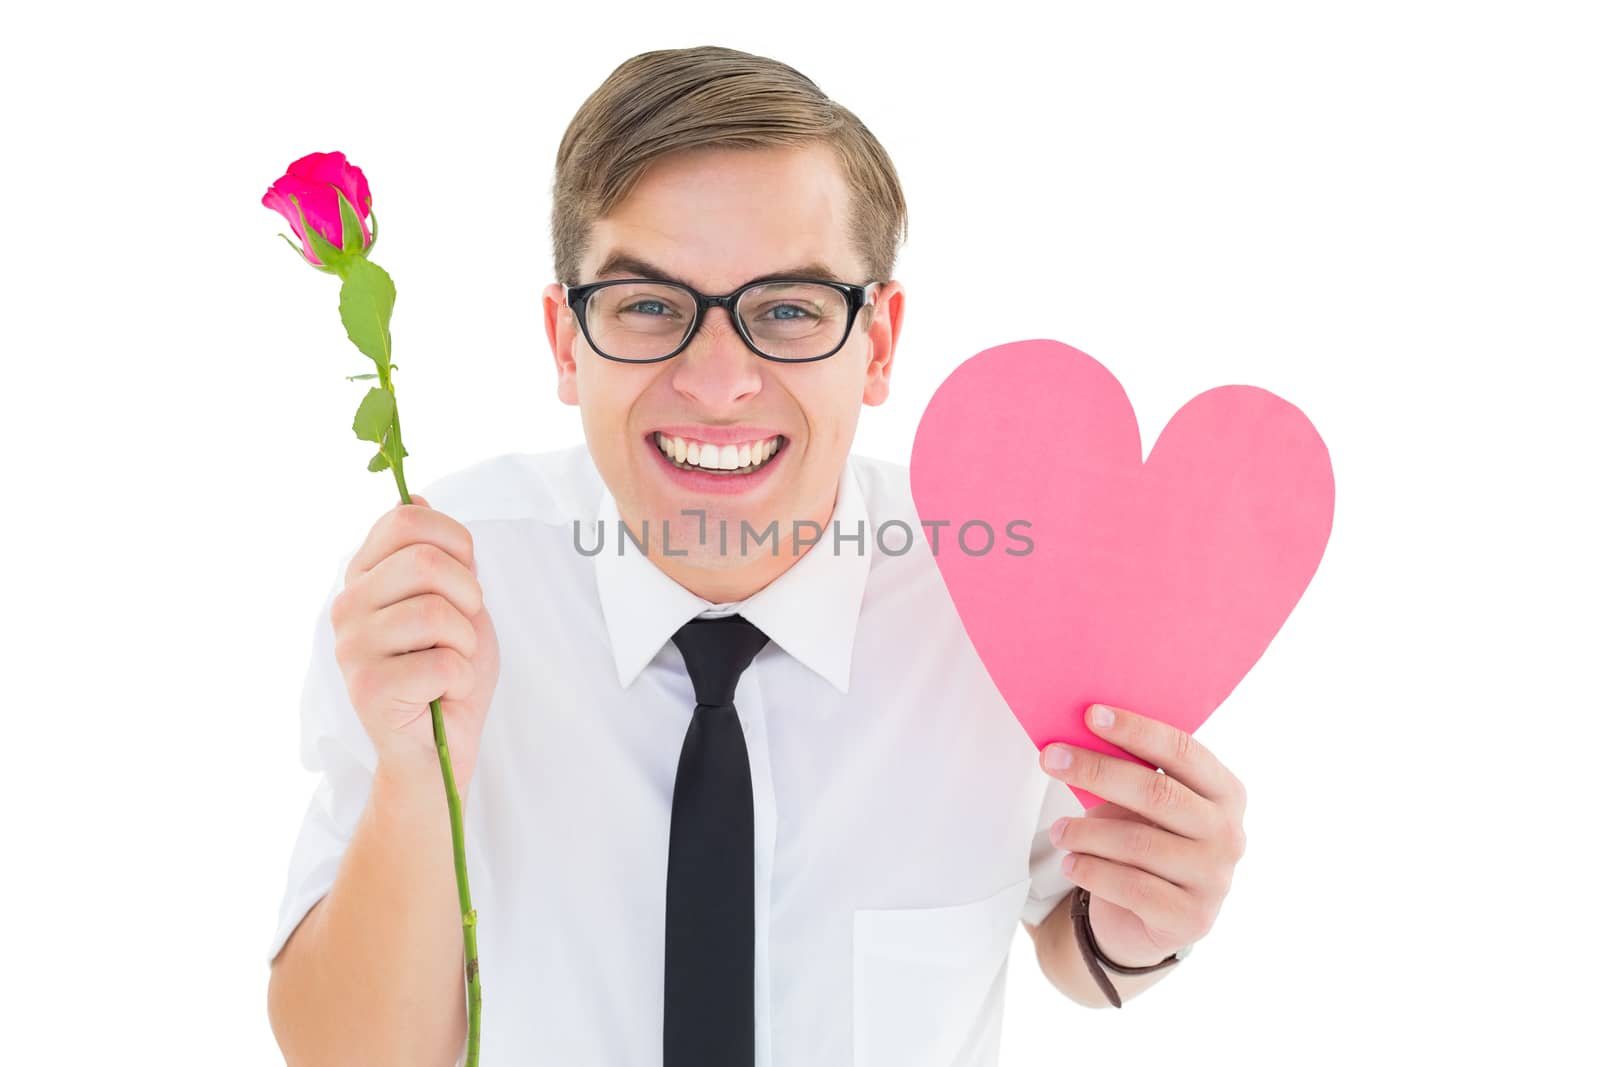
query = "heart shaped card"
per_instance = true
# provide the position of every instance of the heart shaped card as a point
(1152, 585)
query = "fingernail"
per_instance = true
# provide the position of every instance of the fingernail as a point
(1058, 829)
(1101, 716)
(1057, 758)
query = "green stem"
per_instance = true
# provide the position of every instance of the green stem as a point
(469, 917)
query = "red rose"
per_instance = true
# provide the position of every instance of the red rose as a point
(315, 181)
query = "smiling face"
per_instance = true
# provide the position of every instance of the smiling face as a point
(715, 219)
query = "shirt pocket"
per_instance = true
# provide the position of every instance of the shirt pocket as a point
(929, 982)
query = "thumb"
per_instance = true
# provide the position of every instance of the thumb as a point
(417, 498)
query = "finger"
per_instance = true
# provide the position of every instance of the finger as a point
(422, 622)
(1176, 859)
(1107, 810)
(413, 570)
(1160, 798)
(1156, 901)
(418, 498)
(1173, 750)
(427, 675)
(406, 524)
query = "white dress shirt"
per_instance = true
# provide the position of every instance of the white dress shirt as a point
(901, 819)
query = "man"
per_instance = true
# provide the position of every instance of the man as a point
(817, 858)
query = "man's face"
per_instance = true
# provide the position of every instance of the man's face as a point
(715, 219)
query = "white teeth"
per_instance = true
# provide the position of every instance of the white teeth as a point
(715, 457)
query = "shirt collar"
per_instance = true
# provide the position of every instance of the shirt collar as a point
(809, 610)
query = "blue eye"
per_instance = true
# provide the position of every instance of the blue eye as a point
(803, 312)
(633, 307)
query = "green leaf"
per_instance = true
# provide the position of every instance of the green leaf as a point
(366, 301)
(320, 245)
(378, 462)
(372, 217)
(358, 377)
(350, 224)
(375, 415)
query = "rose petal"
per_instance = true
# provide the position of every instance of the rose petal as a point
(325, 167)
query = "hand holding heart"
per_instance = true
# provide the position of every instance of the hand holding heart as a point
(1156, 582)
(1157, 856)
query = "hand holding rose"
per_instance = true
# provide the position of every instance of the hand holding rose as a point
(327, 203)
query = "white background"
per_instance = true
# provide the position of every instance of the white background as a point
(1385, 213)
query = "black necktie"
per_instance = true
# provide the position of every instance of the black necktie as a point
(710, 966)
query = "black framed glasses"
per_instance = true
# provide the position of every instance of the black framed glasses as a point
(789, 320)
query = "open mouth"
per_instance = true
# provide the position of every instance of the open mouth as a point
(729, 461)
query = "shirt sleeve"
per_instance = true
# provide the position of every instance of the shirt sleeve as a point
(335, 746)
(1048, 885)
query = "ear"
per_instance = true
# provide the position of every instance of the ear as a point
(561, 328)
(882, 321)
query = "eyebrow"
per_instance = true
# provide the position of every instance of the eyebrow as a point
(630, 265)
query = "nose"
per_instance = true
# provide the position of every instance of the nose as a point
(717, 368)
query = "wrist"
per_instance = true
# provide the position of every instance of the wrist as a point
(1116, 957)
(1098, 964)
(419, 782)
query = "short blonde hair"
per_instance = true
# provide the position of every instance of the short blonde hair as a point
(671, 100)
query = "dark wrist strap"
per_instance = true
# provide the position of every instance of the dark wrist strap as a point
(1078, 908)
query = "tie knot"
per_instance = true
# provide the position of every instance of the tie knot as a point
(716, 652)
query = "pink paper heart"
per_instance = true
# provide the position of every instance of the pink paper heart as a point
(1152, 586)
